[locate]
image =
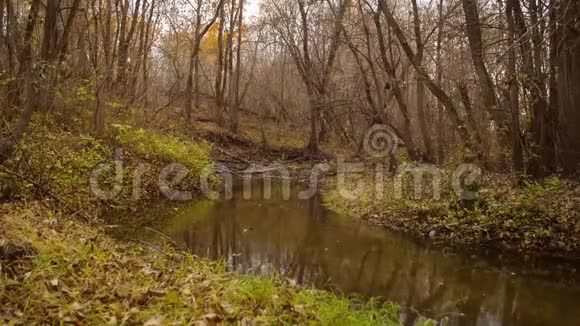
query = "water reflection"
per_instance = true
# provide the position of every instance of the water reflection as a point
(305, 242)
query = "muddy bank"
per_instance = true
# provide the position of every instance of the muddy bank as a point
(538, 219)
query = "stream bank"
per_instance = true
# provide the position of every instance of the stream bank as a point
(264, 230)
(58, 263)
(63, 230)
(64, 270)
(534, 219)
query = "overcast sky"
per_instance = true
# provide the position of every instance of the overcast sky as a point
(252, 8)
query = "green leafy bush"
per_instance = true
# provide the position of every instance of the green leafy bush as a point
(61, 162)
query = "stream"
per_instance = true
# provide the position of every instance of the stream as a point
(308, 244)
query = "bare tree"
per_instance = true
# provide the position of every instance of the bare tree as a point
(568, 53)
(237, 96)
(193, 70)
(315, 75)
(435, 89)
(488, 94)
(8, 144)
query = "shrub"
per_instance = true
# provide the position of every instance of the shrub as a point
(61, 162)
(168, 149)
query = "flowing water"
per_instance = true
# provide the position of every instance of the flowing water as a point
(302, 241)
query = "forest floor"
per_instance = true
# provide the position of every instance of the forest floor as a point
(57, 269)
(58, 262)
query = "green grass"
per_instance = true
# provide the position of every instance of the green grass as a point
(148, 143)
(77, 274)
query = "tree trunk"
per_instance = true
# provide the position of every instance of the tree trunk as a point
(435, 89)
(568, 87)
(314, 115)
(2, 27)
(514, 102)
(189, 86)
(2, 38)
(125, 41)
(194, 58)
(464, 95)
(438, 58)
(550, 160)
(10, 41)
(219, 71)
(148, 44)
(229, 60)
(396, 89)
(236, 106)
(534, 86)
(50, 30)
(107, 44)
(8, 144)
(473, 31)
(420, 89)
(140, 52)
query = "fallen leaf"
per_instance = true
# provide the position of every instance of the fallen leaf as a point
(153, 322)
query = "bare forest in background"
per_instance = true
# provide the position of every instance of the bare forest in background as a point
(497, 81)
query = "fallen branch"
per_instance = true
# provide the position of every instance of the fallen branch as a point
(223, 151)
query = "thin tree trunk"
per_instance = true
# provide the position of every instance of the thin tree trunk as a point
(236, 106)
(229, 60)
(50, 30)
(194, 58)
(541, 115)
(6, 41)
(438, 58)
(308, 80)
(107, 44)
(98, 116)
(473, 32)
(8, 144)
(394, 84)
(148, 44)
(537, 97)
(48, 49)
(423, 126)
(551, 160)
(140, 52)
(125, 41)
(219, 70)
(464, 95)
(62, 45)
(2, 27)
(517, 155)
(435, 89)
(189, 86)
(10, 41)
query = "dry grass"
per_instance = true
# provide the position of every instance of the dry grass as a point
(73, 273)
